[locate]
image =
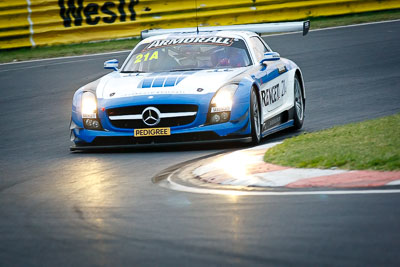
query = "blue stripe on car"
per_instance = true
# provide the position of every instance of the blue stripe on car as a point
(170, 81)
(159, 81)
(272, 75)
(163, 80)
(147, 82)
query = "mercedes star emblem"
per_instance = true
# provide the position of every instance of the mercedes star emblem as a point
(151, 116)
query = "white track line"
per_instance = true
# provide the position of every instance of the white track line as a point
(45, 65)
(125, 51)
(67, 57)
(336, 27)
(355, 25)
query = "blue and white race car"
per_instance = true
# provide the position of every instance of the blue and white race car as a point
(189, 85)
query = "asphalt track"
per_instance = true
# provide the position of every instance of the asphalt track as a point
(101, 209)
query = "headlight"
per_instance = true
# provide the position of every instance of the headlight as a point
(223, 99)
(221, 104)
(89, 105)
(89, 111)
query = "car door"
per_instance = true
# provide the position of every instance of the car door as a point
(272, 79)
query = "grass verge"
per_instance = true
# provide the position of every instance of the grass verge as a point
(372, 145)
(334, 21)
(118, 45)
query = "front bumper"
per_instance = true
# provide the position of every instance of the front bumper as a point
(237, 129)
(225, 132)
(119, 143)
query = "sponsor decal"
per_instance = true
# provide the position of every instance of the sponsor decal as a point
(152, 132)
(76, 12)
(275, 121)
(89, 116)
(190, 40)
(155, 92)
(273, 94)
(220, 109)
(146, 57)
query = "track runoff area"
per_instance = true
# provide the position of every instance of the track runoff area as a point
(376, 187)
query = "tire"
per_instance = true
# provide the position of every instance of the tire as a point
(255, 118)
(299, 105)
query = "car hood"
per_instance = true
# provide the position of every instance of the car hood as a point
(119, 85)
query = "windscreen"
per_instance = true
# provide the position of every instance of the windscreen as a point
(191, 53)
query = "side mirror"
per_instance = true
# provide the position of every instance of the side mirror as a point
(270, 56)
(111, 64)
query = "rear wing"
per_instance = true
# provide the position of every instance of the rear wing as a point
(263, 28)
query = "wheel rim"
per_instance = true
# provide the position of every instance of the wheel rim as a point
(256, 116)
(298, 100)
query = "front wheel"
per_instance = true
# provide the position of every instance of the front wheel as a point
(298, 105)
(255, 119)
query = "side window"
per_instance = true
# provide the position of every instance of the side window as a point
(258, 47)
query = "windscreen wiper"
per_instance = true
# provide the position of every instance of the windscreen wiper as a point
(174, 70)
(132, 71)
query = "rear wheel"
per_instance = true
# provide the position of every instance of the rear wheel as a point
(255, 119)
(298, 105)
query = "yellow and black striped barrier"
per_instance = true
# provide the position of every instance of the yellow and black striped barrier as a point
(25, 23)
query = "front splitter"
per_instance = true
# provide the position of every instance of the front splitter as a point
(149, 145)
